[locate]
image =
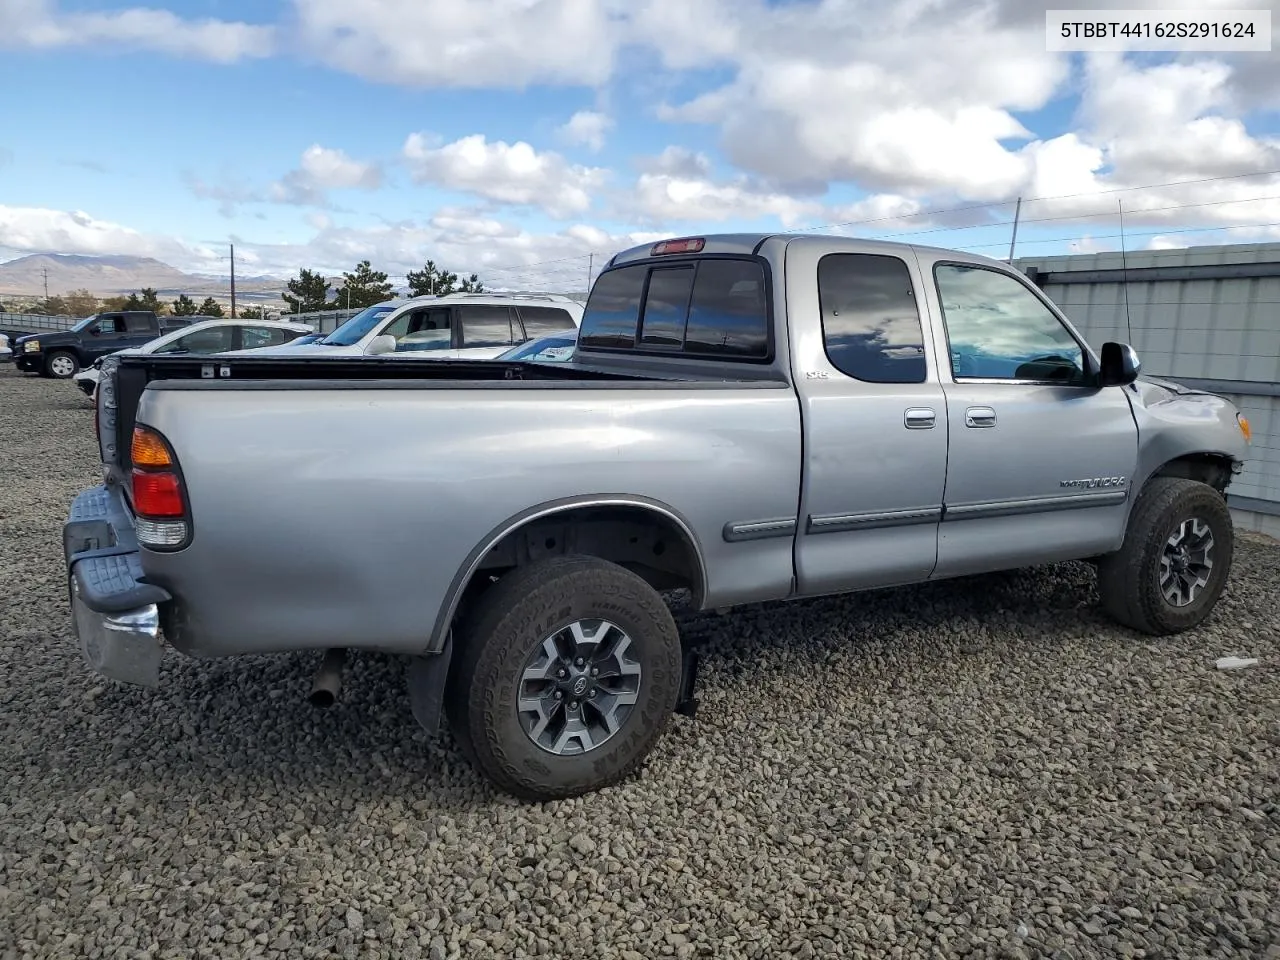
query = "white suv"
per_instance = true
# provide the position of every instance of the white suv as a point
(457, 326)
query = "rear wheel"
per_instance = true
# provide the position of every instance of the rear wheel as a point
(61, 365)
(1173, 566)
(566, 677)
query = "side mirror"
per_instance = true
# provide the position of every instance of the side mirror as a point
(1120, 365)
(381, 344)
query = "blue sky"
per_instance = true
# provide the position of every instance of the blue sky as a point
(497, 135)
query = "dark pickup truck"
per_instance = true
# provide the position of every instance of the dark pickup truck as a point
(61, 353)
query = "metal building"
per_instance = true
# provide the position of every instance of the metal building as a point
(1208, 317)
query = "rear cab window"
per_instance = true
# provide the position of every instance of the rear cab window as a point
(707, 307)
(871, 327)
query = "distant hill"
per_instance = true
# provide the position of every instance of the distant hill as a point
(109, 275)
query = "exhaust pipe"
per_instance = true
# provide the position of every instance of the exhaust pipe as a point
(328, 679)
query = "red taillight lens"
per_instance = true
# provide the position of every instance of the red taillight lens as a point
(157, 494)
(687, 245)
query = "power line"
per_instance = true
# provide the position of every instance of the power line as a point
(1148, 233)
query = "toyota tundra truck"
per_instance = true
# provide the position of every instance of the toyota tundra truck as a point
(745, 417)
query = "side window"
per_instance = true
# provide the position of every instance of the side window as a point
(111, 323)
(212, 340)
(613, 309)
(540, 321)
(252, 337)
(426, 329)
(870, 322)
(135, 324)
(728, 314)
(999, 330)
(486, 326)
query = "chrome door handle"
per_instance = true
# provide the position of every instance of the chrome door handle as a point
(979, 417)
(920, 418)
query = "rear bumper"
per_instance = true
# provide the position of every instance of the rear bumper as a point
(115, 612)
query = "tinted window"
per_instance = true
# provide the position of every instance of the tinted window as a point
(870, 323)
(252, 337)
(729, 314)
(112, 323)
(427, 329)
(666, 307)
(613, 309)
(1000, 330)
(540, 321)
(486, 326)
(134, 324)
(213, 340)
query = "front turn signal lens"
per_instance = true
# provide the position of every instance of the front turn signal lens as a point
(148, 450)
(1245, 428)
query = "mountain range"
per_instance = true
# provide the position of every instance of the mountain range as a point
(106, 276)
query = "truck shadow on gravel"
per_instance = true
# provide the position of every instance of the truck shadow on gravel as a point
(247, 722)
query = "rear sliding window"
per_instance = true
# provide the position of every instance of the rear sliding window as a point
(708, 307)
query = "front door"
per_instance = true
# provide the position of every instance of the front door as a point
(875, 426)
(426, 331)
(1040, 462)
(109, 337)
(487, 330)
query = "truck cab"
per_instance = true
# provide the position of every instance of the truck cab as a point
(62, 354)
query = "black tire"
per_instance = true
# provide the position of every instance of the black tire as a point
(1129, 580)
(510, 623)
(61, 374)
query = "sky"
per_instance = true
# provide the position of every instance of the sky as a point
(529, 140)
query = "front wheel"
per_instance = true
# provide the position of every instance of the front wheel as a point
(565, 679)
(61, 365)
(1173, 566)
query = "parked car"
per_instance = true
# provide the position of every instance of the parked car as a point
(208, 336)
(456, 326)
(6, 351)
(553, 349)
(749, 417)
(62, 353)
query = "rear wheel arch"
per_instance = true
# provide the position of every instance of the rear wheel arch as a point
(643, 535)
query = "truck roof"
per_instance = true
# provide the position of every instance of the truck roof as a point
(749, 243)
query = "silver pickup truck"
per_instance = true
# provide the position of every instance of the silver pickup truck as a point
(748, 417)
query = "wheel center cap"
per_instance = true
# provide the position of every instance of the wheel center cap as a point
(580, 686)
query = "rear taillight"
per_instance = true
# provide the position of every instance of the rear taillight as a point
(159, 500)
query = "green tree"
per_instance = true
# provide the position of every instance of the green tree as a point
(472, 285)
(184, 306)
(114, 303)
(308, 291)
(50, 307)
(146, 299)
(253, 313)
(210, 308)
(362, 288)
(431, 281)
(81, 303)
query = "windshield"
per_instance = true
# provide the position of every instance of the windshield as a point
(81, 324)
(355, 329)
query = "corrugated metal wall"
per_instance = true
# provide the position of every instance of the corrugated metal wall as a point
(1189, 322)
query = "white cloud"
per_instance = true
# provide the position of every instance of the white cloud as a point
(668, 198)
(513, 173)
(587, 128)
(323, 169)
(463, 43)
(40, 230)
(41, 24)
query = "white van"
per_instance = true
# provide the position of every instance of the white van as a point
(476, 326)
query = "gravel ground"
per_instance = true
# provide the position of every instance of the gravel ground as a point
(978, 767)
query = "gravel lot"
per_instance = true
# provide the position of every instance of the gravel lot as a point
(978, 767)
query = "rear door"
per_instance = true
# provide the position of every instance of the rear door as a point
(875, 429)
(544, 321)
(249, 338)
(140, 328)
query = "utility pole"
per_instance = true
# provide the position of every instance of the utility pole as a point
(46, 283)
(233, 281)
(591, 267)
(1014, 239)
